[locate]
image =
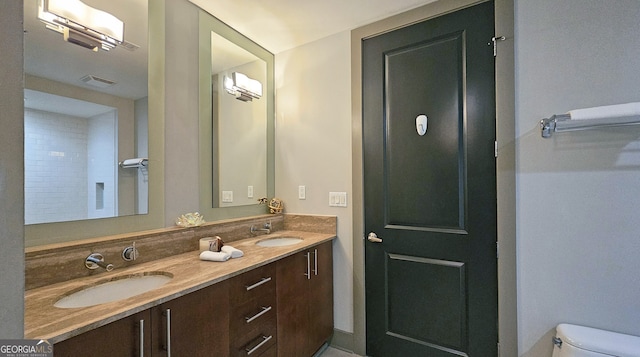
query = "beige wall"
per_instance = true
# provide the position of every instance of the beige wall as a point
(313, 146)
(181, 111)
(11, 172)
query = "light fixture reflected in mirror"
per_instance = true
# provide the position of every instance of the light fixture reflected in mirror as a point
(82, 24)
(243, 87)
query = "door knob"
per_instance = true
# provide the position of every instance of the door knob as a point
(374, 238)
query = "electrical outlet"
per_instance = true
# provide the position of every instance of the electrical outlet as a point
(249, 191)
(302, 193)
(227, 196)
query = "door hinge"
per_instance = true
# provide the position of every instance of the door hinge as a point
(497, 250)
(494, 41)
(495, 148)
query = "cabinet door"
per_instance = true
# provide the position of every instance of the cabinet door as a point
(196, 324)
(305, 301)
(292, 301)
(320, 297)
(130, 336)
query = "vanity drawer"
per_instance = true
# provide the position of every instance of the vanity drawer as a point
(255, 342)
(271, 352)
(252, 284)
(252, 313)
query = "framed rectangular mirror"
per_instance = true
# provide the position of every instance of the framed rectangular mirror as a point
(236, 136)
(239, 125)
(86, 111)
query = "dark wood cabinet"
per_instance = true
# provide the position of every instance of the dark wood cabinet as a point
(321, 297)
(130, 336)
(192, 325)
(195, 324)
(252, 301)
(305, 301)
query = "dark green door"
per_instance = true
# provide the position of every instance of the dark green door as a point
(431, 277)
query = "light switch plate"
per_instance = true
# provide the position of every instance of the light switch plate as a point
(338, 199)
(302, 193)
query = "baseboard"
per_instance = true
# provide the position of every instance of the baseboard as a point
(342, 340)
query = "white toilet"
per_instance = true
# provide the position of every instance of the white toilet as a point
(580, 341)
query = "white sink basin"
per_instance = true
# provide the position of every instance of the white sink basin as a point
(119, 288)
(279, 242)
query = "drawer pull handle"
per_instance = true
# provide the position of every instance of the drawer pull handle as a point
(264, 311)
(167, 346)
(265, 339)
(315, 260)
(308, 271)
(262, 281)
(141, 325)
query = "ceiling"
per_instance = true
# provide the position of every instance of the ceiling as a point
(279, 25)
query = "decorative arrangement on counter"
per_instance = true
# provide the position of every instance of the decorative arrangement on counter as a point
(213, 249)
(190, 220)
(276, 205)
(213, 244)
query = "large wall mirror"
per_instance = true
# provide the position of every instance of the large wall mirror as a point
(87, 111)
(236, 128)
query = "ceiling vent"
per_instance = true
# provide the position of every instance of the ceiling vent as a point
(129, 46)
(97, 81)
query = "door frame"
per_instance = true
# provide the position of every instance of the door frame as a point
(505, 166)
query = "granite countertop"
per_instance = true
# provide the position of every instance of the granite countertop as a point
(44, 321)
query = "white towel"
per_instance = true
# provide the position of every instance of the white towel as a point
(608, 111)
(214, 256)
(233, 252)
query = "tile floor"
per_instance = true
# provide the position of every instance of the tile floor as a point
(334, 352)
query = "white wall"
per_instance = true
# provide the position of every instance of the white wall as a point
(55, 154)
(102, 164)
(577, 193)
(65, 157)
(313, 146)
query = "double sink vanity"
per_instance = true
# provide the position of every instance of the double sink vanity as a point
(275, 300)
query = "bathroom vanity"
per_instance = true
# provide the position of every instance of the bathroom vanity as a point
(273, 301)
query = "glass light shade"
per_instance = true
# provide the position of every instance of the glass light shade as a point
(60, 12)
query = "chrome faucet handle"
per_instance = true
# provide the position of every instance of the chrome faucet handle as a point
(95, 261)
(266, 229)
(130, 253)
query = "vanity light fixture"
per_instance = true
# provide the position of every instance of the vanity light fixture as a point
(243, 87)
(82, 24)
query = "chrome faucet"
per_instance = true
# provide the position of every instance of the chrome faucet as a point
(266, 229)
(95, 261)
